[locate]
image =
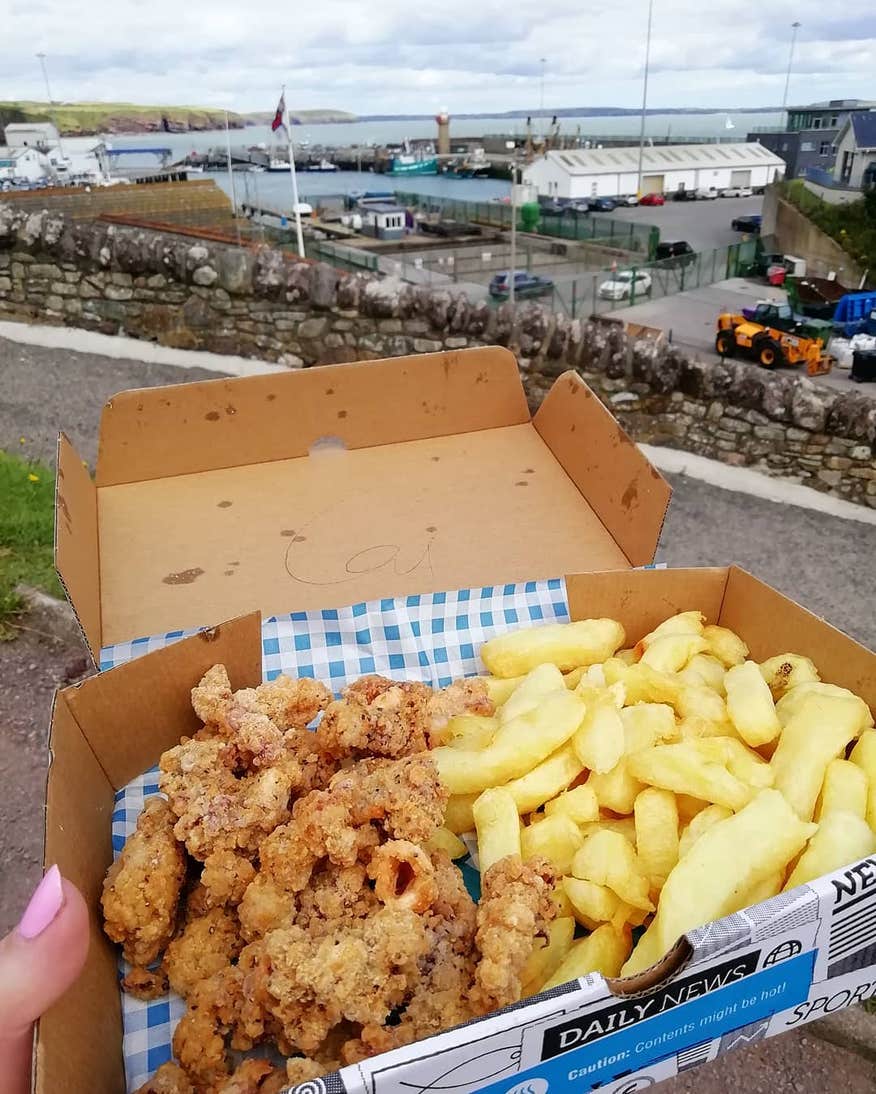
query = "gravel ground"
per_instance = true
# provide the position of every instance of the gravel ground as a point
(812, 557)
(47, 390)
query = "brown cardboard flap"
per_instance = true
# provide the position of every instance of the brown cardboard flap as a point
(76, 540)
(79, 1039)
(628, 495)
(640, 599)
(341, 527)
(151, 433)
(772, 624)
(130, 714)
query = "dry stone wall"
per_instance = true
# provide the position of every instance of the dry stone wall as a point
(261, 303)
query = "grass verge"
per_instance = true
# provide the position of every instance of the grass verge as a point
(27, 515)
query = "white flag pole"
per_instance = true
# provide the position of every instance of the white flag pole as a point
(294, 180)
(230, 172)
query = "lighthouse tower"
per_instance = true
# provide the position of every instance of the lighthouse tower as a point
(443, 120)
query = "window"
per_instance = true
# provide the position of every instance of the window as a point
(834, 121)
(807, 146)
(816, 123)
(825, 148)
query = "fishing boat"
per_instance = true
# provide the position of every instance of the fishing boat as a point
(414, 161)
(322, 165)
(409, 164)
(277, 165)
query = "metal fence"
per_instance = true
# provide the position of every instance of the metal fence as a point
(581, 295)
(613, 231)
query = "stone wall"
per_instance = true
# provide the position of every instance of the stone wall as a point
(261, 303)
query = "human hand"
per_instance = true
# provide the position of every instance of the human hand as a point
(39, 960)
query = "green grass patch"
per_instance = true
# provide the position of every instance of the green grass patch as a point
(27, 518)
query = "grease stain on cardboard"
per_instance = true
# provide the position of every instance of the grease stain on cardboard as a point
(183, 577)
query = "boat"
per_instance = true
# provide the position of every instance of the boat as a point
(277, 165)
(322, 165)
(409, 164)
(475, 165)
(414, 160)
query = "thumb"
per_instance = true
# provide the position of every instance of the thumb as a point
(39, 960)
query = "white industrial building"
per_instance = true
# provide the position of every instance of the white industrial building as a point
(582, 173)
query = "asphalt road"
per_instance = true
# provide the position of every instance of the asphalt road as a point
(821, 561)
(704, 224)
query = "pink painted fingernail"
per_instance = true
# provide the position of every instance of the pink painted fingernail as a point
(44, 905)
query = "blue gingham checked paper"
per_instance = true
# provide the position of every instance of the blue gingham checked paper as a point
(433, 637)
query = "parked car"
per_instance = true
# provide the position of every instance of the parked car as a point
(706, 193)
(652, 199)
(602, 205)
(630, 199)
(737, 192)
(579, 208)
(525, 284)
(684, 195)
(551, 207)
(750, 224)
(624, 283)
(677, 253)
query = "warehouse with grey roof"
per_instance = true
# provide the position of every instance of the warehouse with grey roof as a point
(583, 173)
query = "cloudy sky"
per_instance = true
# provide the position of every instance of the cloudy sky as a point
(395, 56)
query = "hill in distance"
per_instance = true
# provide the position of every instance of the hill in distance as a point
(87, 119)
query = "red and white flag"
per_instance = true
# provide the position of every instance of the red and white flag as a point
(279, 121)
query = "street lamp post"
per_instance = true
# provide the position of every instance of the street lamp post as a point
(52, 114)
(512, 273)
(794, 28)
(644, 100)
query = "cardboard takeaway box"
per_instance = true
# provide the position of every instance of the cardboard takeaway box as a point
(591, 503)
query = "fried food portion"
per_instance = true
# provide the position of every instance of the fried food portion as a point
(168, 1079)
(355, 972)
(440, 998)
(206, 945)
(142, 887)
(211, 698)
(225, 878)
(514, 909)
(253, 1077)
(215, 809)
(286, 703)
(292, 704)
(401, 799)
(199, 1040)
(381, 717)
(333, 896)
(145, 984)
(403, 876)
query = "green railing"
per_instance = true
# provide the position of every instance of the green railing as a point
(611, 231)
(343, 258)
(580, 296)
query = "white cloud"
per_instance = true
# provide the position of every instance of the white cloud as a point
(393, 56)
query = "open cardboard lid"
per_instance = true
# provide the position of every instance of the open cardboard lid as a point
(332, 485)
